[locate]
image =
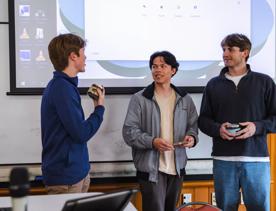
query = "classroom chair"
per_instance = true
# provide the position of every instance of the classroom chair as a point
(200, 206)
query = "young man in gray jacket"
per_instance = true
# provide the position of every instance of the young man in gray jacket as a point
(160, 123)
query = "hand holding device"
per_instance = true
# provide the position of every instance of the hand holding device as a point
(239, 131)
(162, 145)
(96, 92)
(92, 91)
(248, 129)
(225, 133)
(188, 141)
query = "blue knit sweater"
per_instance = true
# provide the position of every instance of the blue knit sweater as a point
(65, 131)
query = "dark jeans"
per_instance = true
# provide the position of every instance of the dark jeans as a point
(253, 178)
(163, 195)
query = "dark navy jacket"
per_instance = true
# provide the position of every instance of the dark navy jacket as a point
(65, 132)
(254, 100)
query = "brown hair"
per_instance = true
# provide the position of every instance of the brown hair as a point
(60, 48)
(238, 40)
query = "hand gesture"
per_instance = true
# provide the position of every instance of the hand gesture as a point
(101, 94)
(188, 141)
(248, 130)
(224, 133)
(162, 145)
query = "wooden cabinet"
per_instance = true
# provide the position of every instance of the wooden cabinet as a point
(200, 191)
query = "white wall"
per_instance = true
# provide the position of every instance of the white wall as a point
(20, 119)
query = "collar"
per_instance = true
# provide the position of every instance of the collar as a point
(149, 91)
(60, 74)
(226, 69)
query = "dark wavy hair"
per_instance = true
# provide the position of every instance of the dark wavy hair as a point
(168, 57)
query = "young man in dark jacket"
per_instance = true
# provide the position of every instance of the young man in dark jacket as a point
(65, 131)
(238, 110)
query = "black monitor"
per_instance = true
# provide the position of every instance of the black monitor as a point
(115, 201)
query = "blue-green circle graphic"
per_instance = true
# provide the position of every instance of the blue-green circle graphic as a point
(262, 19)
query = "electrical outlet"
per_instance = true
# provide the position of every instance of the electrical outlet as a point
(186, 198)
(213, 199)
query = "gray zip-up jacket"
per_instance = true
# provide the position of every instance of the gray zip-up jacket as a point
(142, 125)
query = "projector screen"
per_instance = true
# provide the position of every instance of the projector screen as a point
(121, 35)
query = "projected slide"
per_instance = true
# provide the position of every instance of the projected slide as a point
(133, 30)
(121, 35)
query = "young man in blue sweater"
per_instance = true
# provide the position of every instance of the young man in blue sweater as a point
(65, 131)
(246, 99)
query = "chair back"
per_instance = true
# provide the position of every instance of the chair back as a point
(200, 206)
